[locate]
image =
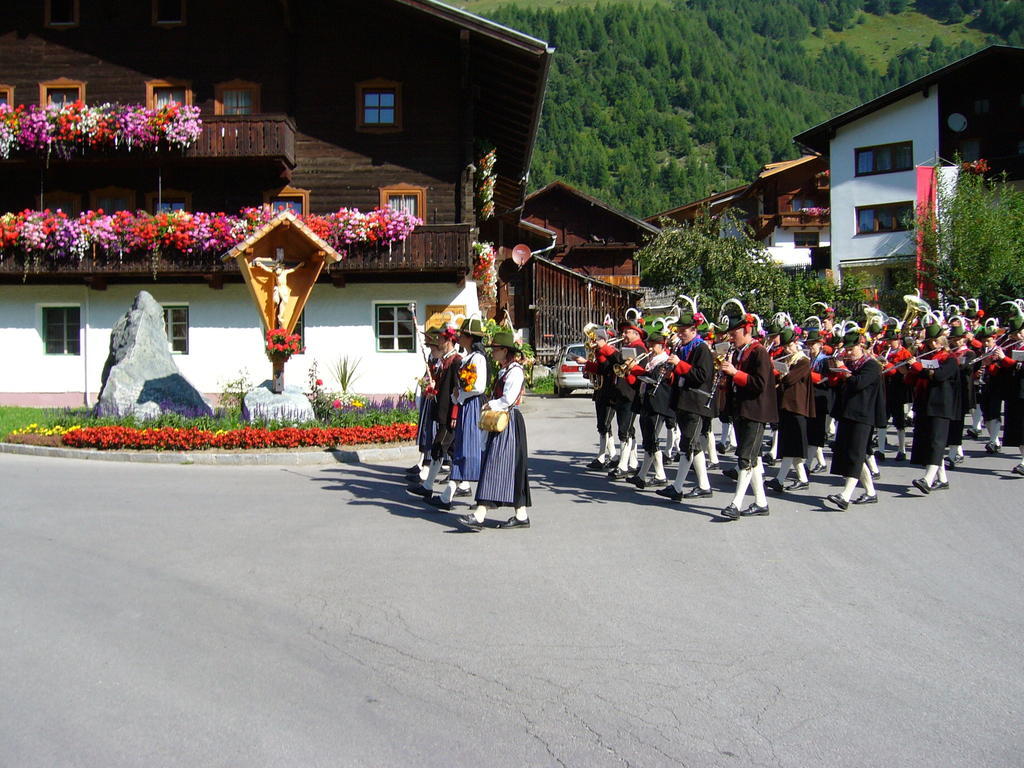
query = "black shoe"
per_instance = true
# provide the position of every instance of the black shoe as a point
(435, 501)
(972, 433)
(414, 470)
(901, 456)
(798, 485)
(880, 455)
(768, 460)
(838, 500)
(463, 491)
(958, 459)
(515, 522)
(419, 490)
(991, 448)
(874, 475)
(816, 467)
(656, 483)
(597, 464)
(698, 493)
(755, 511)
(716, 465)
(616, 474)
(940, 486)
(669, 493)
(469, 522)
(731, 512)
(866, 498)
(921, 485)
(732, 473)
(1018, 470)
(774, 485)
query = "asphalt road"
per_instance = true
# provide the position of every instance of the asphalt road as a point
(208, 616)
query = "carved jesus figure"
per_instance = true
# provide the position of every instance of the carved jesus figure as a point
(282, 293)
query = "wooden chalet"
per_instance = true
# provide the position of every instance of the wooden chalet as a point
(306, 106)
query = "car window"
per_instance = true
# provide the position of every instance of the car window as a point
(574, 351)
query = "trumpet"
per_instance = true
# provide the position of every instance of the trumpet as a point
(716, 382)
(622, 369)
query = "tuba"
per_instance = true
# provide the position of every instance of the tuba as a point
(916, 307)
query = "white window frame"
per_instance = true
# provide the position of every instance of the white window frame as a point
(41, 314)
(168, 305)
(376, 335)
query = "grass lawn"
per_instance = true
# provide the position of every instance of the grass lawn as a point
(880, 38)
(14, 417)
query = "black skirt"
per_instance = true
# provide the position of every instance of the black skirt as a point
(817, 434)
(792, 435)
(1013, 429)
(955, 436)
(929, 440)
(852, 441)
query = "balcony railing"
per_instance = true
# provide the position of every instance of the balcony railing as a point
(241, 136)
(793, 219)
(435, 248)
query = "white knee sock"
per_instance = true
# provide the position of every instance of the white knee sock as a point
(602, 456)
(424, 469)
(801, 469)
(464, 485)
(633, 461)
(851, 483)
(521, 513)
(681, 472)
(1021, 449)
(952, 452)
(700, 468)
(659, 466)
(742, 483)
(867, 481)
(624, 455)
(871, 463)
(784, 469)
(757, 480)
(930, 472)
(901, 440)
(480, 513)
(819, 455)
(942, 473)
(732, 435)
(977, 420)
(432, 473)
(612, 453)
(709, 441)
(646, 466)
(449, 492)
(880, 434)
(774, 453)
(992, 426)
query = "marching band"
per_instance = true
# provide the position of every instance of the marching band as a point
(941, 375)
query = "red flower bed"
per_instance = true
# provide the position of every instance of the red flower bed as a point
(177, 439)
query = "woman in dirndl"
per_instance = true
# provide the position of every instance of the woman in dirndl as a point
(468, 445)
(503, 474)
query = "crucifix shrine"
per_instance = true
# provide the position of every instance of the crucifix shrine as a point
(280, 263)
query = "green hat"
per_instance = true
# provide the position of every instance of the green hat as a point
(473, 326)
(813, 334)
(875, 326)
(687, 319)
(773, 329)
(987, 332)
(957, 331)
(656, 338)
(892, 332)
(786, 335)
(933, 331)
(732, 322)
(1015, 323)
(504, 338)
(851, 339)
(432, 333)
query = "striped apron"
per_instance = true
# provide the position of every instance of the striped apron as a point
(503, 478)
(468, 448)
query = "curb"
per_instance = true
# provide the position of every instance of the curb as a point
(332, 456)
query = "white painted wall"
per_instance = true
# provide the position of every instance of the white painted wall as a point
(783, 250)
(913, 118)
(225, 336)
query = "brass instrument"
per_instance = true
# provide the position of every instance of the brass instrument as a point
(916, 307)
(720, 359)
(622, 369)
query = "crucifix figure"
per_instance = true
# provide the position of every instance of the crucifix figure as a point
(282, 293)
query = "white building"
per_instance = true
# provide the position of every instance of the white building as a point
(971, 109)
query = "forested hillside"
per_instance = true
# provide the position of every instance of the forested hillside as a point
(654, 104)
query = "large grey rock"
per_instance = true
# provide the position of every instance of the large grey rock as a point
(140, 377)
(291, 406)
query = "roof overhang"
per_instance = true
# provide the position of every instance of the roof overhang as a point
(554, 186)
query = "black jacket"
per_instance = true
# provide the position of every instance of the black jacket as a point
(860, 396)
(692, 389)
(937, 391)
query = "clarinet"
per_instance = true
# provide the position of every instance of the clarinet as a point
(715, 382)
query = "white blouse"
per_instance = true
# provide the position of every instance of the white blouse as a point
(512, 380)
(480, 386)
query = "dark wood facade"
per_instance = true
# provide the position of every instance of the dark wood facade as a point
(591, 237)
(459, 80)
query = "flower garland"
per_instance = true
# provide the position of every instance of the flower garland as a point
(485, 178)
(281, 345)
(64, 129)
(484, 272)
(55, 234)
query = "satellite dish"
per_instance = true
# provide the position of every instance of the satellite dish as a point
(521, 254)
(956, 122)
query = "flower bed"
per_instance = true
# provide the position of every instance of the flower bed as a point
(190, 439)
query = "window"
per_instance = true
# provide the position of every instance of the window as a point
(238, 97)
(412, 200)
(168, 13)
(982, 106)
(61, 327)
(885, 159)
(169, 200)
(7, 94)
(160, 93)
(176, 326)
(379, 105)
(61, 91)
(288, 199)
(805, 239)
(970, 150)
(69, 202)
(112, 199)
(396, 328)
(61, 13)
(1020, 148)
(893, 217)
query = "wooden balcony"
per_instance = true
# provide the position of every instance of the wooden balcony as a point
(246, 136)
(433, 253)
(788, 219)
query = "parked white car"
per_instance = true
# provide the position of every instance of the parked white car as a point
(568, 373)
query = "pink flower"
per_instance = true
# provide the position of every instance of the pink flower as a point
(336, 403)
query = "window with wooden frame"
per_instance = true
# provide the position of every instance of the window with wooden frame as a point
(60, 14)
(379, 106)
(61, 91)
(885, 158)
(236, 97)
(805, 239)
(176, 326)
(288, 199)
(160, 93)
(62, 327)
(168, 200)
(169, 13)
(69, 202)
(112, 199)
(395, 328)
(7, 94)
(406, 198)
(891, 217)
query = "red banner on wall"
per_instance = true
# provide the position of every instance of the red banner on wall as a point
(926, 197)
